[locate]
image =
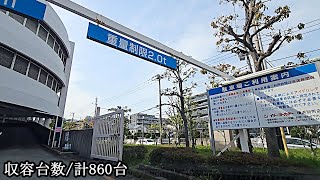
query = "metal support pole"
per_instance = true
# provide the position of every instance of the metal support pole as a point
(243, 133)
(49, 139)
(211, 134)
(284, 142)
(54, 133)
(108, 23)
(62, 122)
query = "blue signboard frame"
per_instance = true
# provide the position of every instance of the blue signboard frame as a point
(285, 74)
(289, 97)
(126, 45)
(31, 8)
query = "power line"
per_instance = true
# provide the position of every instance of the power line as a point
(149, 109)
(113, 98)
(295, 31)
(217, 61)
(130, 91)
(294, 55)
(217, 58)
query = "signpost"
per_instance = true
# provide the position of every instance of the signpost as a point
(126, 45)
(285, 98)
(31, 8)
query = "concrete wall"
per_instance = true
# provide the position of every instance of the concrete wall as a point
(80, 141)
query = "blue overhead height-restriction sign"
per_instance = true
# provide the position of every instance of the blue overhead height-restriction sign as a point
(31, 8)
(126, 45)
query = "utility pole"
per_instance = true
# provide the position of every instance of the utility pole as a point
(158, 77)
(96, 109)
(72, 117)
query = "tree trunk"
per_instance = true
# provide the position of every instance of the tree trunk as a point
(185, 125)
(183, 115)
(249, 142)
(272, 142)
(271, 136)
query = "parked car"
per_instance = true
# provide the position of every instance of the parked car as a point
(146, 142)
(296, 143)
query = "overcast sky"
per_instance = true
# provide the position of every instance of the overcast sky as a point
(119, 79)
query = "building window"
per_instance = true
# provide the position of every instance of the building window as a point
(54, 85)
(33, 71)
(17, 17)
(32, 25)
(49, 82)
(25, 66)
(51, 41)
(6, 57)
(43, 33)
(43, 77)
(56, 47)
(21, 65)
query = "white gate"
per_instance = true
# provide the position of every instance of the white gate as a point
(107, 140)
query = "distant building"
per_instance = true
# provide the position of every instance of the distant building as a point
(143, 119)
(200, 112)
(140, 121)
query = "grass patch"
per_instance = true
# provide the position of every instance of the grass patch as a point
(297, 156)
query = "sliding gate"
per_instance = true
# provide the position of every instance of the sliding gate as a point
(107, 140)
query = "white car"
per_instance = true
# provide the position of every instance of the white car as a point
(296, 143)
(145, 142)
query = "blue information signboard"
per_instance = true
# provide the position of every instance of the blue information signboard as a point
(289, 97)
(126, 45)
(31, 8)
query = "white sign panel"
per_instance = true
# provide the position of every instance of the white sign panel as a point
(286, 98)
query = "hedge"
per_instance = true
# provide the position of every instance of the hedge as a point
(134, 153)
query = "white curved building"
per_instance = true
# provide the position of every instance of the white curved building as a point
(35, 62)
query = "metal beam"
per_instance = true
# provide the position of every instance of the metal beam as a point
(108, 23)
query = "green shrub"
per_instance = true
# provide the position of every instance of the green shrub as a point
(161, 156)
(134, 153)
(147, 135)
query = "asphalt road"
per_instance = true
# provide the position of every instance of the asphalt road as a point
(35, 155)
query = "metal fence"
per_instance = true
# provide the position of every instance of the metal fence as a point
(80, 141)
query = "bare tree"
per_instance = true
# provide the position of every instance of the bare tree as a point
(190, 110)
(179, 78)
(244, 39)
(216, 80)
(175, 119)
